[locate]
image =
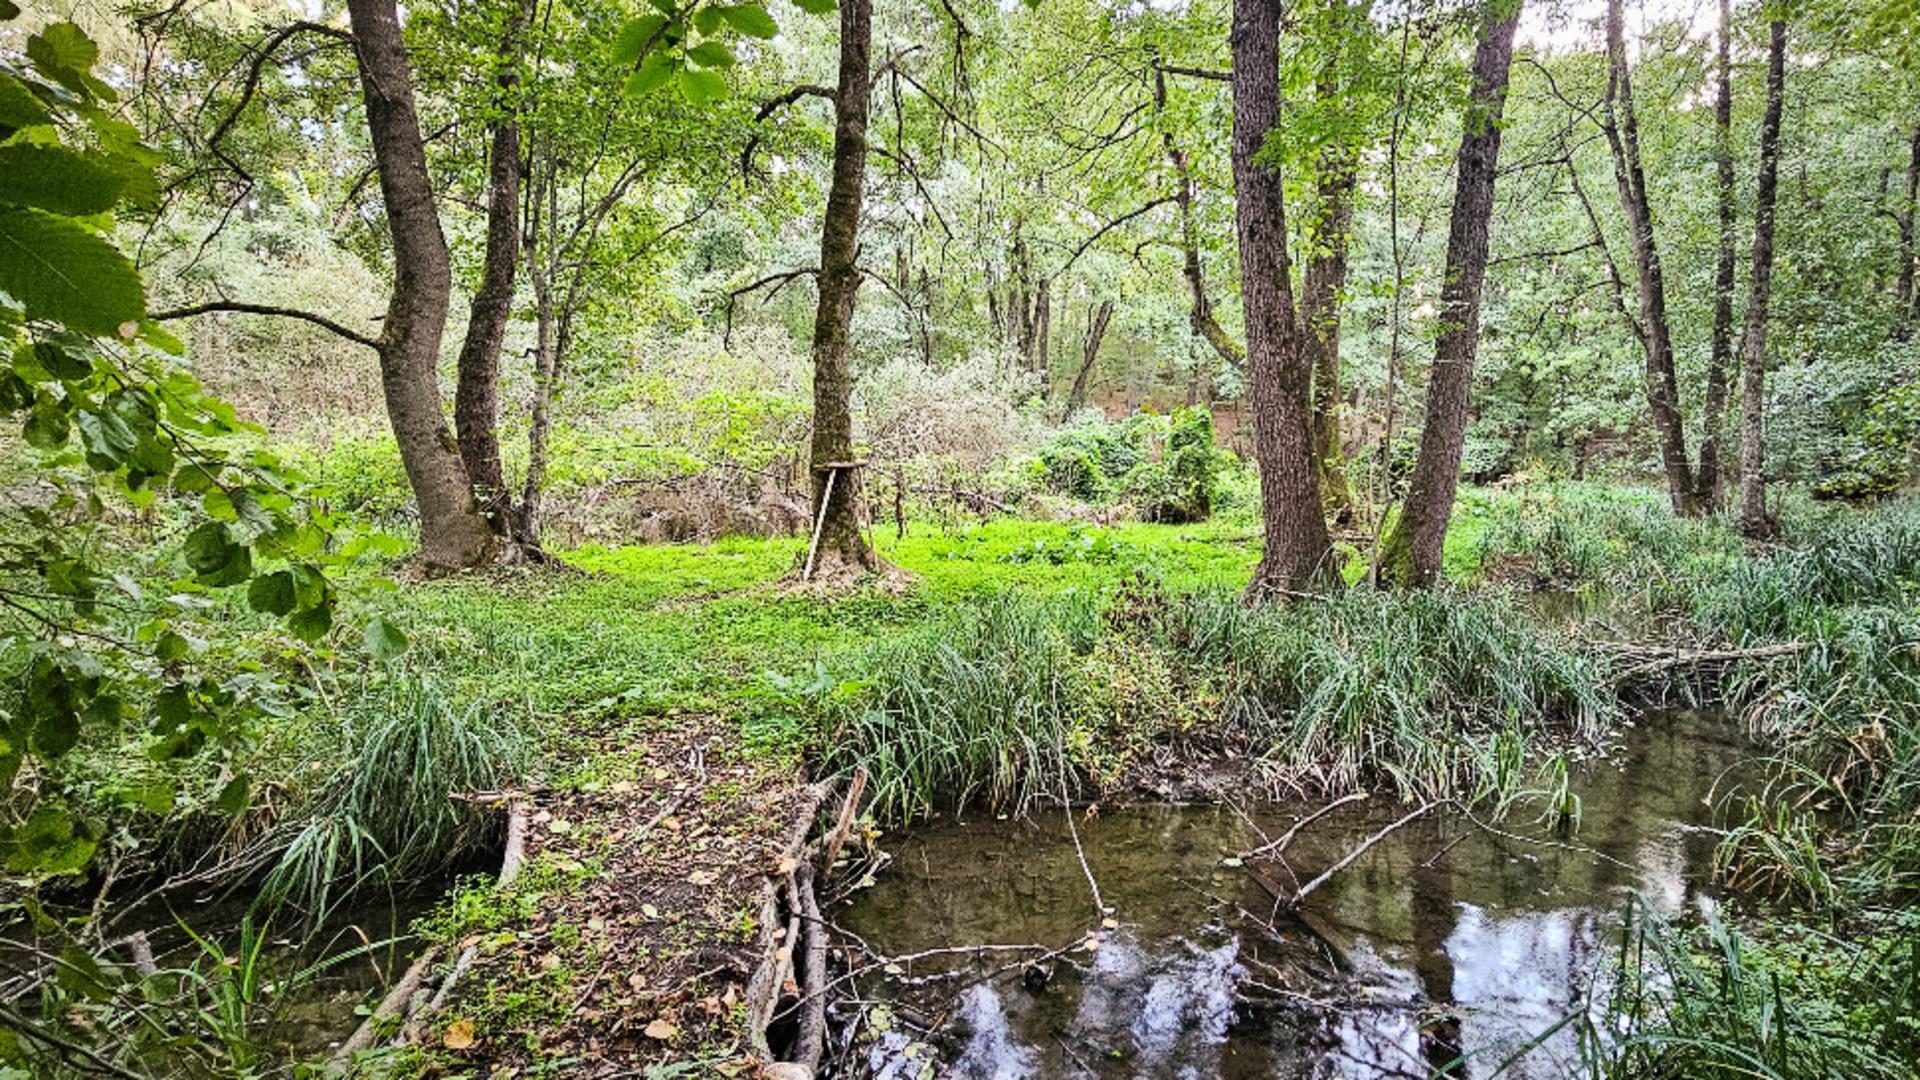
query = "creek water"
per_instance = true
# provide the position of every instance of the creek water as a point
(1444, 944)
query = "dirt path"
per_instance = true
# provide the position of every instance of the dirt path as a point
(632, 936)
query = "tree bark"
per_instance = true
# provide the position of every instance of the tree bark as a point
(1754, 521)
(1298, 553)
(1326, 278)
(476, 405)
(1200, 317)
(842, 548)
(1097, 321)
(1706, 477)
(1905, 298)
(1622, 129)
(1411, 553)
(453, 534)
(546, 370)
(1040, 355)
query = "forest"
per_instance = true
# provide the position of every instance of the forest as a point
(960, 538)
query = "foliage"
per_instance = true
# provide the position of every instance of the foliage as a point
(97, 633)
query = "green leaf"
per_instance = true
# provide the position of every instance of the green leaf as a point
(46, 427)
(634, 38)
(64, 53)
(311, 624)
(666, 7)
(711, 54)
(815, 7)
(750, 19)
(384, 640)
(9, 10)
(214, 556)
(272, 594)
(58, 179)
(708, 19)
(233, 797)
(653, 74)
(63, 364)
(19, 107)
(155, 798)
(60, 271)
(170, 647)
(702, 87)
(107, 439)
(56, 732)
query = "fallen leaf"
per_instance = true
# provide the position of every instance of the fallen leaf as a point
(702, 877)
(649, 911)
(662, 1029)
(459, 1035)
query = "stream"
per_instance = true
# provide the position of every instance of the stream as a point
(1445, 943)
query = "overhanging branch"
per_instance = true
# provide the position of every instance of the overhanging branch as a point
(266, 309)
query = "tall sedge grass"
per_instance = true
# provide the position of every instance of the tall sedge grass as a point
(1014, 697)
(386, 817)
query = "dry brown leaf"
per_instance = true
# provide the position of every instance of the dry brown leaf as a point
(459, 1035)
(662, 1029)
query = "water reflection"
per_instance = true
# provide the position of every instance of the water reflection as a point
(1446, 947)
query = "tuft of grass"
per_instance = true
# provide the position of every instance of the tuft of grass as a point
(1013, 697)
(388, 816)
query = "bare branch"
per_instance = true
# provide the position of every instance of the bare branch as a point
(266, 309)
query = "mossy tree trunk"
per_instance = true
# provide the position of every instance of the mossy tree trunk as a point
(1411, 553)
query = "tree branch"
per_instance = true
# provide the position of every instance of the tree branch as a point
(266, 309)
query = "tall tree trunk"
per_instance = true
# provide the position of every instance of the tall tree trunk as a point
(476, 404)
(1410, 555)
(1297, 552)
(1200, 317)
(1905, 297)
(546, 371)
(842, 547)
(1039, 356)
(1097, 321)
(1622, 129)
(453, 533)
(1754, 521)
(1326, 278)
(1706, 478)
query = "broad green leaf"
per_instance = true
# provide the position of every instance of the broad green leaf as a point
(667, 7)
(47, 842)
(233, 797)
(711, 54)
(64, 53)
(311, 624)
(653, 74)
(708, 19)
(750, 19)
(60, 271)
(106, 437)
(18, 106)
(815, 7)
(272, 594)
(56, 732)
(384, 640)
(58, 179)
(214, 556)
(64, 364)
(702, 87)
(155, 798)
(46, 427)
(9, 10)
(635, 37)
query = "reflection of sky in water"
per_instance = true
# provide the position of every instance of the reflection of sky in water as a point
(1477, 951)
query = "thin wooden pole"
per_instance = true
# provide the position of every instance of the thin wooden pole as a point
(819, 523)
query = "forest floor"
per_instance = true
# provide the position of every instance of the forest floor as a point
(658, 675)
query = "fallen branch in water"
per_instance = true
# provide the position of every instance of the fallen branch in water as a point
(1301, 894)
(813, 1021)
(1665, 659)
(1279, 847)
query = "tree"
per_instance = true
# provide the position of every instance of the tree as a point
(476, 406)
(1622, 128)
(841, 547)
(1706, 477)
(1754, 520)
(1298, 552)
(1410, 554)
